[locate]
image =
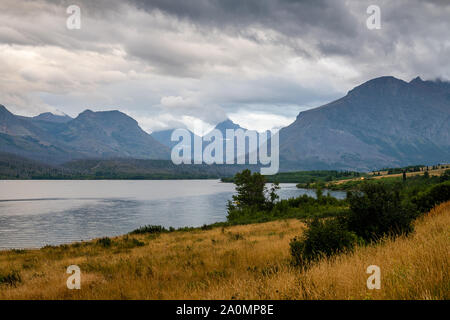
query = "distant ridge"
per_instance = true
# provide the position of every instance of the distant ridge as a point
(55, 139)
(50, 117)
(164, 137)
(384, 122)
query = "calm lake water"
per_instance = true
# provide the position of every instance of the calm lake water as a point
(37, 213)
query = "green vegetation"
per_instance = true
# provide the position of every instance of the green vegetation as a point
(140, 169)
(252, 192)
(104, 242)
(15, 167)
(254, 202)
(322, 238)
(427, 199)
(149, 229)
(411, 185)
(302, 207)
(415, 168)
(373, 209)
(11, 278)
(125, 243)
(305, 178)
(251, 261)
(377, 209)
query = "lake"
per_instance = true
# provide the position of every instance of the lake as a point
(35, 213)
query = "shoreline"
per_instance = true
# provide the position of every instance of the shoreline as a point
(168, 230)
(236, 262)
(106, 232)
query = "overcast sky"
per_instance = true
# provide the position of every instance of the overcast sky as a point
(171, 63)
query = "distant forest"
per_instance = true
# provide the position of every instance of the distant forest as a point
(308, 177)
(17, 167)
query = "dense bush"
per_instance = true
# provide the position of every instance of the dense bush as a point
(445, 176)
(432, 196)
(245, 215)
(149, 229)
(130, 243)
(104, 242)
(11, 278)
(323, 238)
(378, 210)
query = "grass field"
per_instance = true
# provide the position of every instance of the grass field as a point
(384, 174)
(239, 262)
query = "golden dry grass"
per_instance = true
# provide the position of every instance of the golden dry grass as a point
(241, 262)
(384, 174)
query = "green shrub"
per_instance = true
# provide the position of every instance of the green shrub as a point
(445, 176)
(11, 278)
(131, 243)
(104, 242)
(19, 251)
(323, 238)
(426, 200)
(235, 236)
(149, 229)
(377, 210)
(237, 215)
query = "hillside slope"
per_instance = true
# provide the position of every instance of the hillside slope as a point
(385, 122)
(56, 139)
(109, 134)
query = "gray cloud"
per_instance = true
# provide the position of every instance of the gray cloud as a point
(211, 58)
(288, 16)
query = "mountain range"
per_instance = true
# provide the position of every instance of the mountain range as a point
(56, 139)
(164, 136)
(384, 122)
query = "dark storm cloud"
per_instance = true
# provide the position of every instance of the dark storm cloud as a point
(292, 17)
(313, 29)
(163, 60)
